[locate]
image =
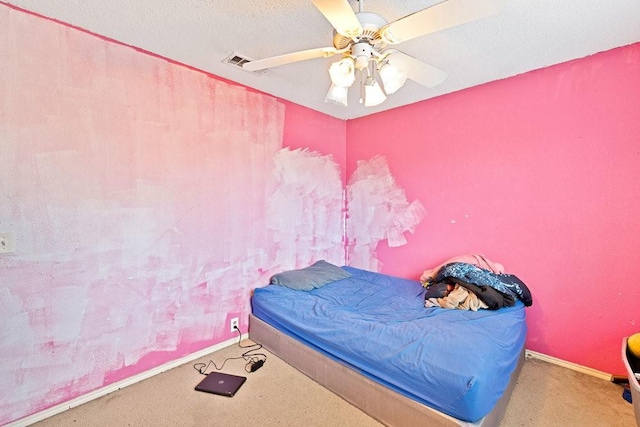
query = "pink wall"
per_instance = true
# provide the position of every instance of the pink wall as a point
(540, 172)
(147, 200)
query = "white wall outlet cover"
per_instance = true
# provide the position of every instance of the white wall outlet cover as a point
(6, 243)
(233, 324)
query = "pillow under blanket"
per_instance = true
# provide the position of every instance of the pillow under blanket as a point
(306, 279)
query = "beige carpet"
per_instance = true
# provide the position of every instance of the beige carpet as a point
(278, 395)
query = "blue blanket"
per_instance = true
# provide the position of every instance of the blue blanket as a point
(456, 361)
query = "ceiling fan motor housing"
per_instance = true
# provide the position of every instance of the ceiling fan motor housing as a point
(361, 52)
(371, 24)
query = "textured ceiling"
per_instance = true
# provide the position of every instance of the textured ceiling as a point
(527, 35)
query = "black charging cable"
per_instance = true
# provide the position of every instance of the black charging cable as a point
(254, 360)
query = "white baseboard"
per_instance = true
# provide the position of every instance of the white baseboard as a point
(568, 365)
(54, 410)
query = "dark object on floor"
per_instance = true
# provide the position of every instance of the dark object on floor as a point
(619, 379)
(257, 365)
(626, 394)
(632, 365)
(222, 384)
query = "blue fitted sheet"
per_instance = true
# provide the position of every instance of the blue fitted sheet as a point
(456, 361)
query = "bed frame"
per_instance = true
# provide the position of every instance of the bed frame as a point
(383, 404)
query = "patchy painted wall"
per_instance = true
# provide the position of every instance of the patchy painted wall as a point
(378, 211)
(146, 199)
(540, 172)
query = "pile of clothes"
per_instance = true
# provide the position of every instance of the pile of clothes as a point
(472, 282)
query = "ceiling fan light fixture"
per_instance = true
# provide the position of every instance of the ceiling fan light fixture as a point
(363, 53)
(392, 78)
(362, 39)
(337, 95)
(373, 93)
(342, 72)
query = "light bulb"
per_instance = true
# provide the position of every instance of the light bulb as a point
(373, 94)
(337, 95)
(342, 72)
(392, 78)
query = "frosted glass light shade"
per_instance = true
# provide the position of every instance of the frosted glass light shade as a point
(342, 72)
(392, 78)
(337, 95)
(373, 94)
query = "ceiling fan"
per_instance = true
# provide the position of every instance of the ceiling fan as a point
(363, 40)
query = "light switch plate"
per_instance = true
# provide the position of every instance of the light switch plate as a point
(6, 243)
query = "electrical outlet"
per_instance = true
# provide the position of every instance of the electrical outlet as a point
(233, 324)
(6, 243)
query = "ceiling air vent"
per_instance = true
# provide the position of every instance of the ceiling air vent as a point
(237, 60)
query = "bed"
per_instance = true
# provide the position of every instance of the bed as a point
(369, 338)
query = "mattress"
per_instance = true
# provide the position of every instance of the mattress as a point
(455, 361)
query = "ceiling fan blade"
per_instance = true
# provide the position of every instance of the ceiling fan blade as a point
(417, 70)
(303, 55)
(340, 14)
(439, 17)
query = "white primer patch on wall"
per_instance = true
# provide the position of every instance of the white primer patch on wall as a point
(304, 214)
(377, 210)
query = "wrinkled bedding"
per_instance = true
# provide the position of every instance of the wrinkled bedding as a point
(456, 361)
